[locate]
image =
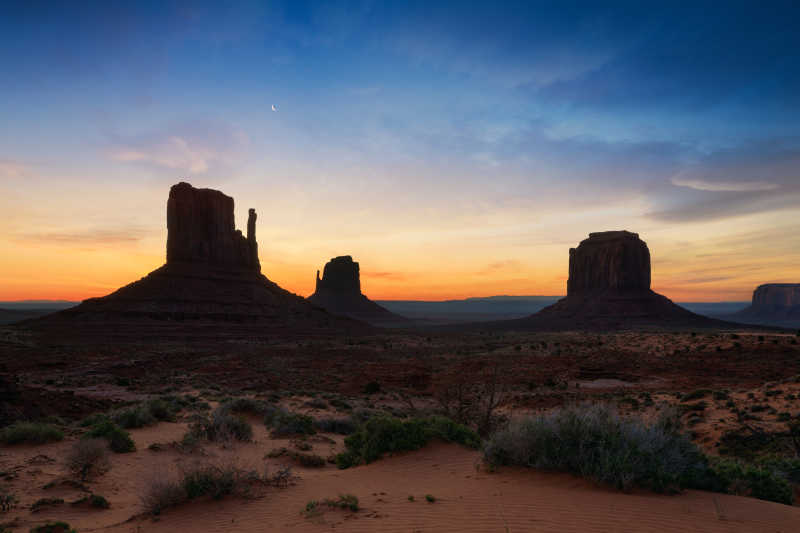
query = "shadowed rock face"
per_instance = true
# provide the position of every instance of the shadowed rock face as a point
(776, 296)
(340, 274)
(339, 292)
(201, 230)
(616, 260)
(775, 304)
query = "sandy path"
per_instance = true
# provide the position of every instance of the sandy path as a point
(467, 500)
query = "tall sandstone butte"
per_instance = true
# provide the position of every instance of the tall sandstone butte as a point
(609, 288)
(339, 292)
(212, 275)
(201, 230)
(610, 260)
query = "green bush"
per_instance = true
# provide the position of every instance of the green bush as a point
(752, 480)
(30, 432)
(595, 442)
(53, 527)
(386, 434)
(245, 405)
(285, 423)
(119, 440)
(209, 481)
(341, 426)
(136, 416)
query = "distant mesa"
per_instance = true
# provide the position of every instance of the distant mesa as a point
(212, 275)
(609, 288)
(775, 304)
(339, 292)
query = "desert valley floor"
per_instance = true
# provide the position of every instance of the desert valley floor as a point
(734, 391)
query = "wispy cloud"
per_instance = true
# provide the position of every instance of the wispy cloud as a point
(508, 265)
(87, 237)
(196, 147)
(391, 276)
(720, 186)
(10, 169)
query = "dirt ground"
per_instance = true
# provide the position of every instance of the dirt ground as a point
(722, 384)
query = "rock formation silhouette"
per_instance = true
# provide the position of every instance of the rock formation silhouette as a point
(609, 288)
(339, 292)
(775, 304)
(212, 275)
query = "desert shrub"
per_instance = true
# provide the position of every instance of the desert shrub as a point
(752, 480)
(119, 440)
(344, 501)
(95, 501)
(430, 498)
(373, 387)
(164, 409)
(341, 426)
(8, 500)
(162, 494)
(200, 480)
(786, 467)
(221, 426)
(93, 419)
(595, 442)
(136, 416)
(30, 432)
(341, 404)
(309, 460)
(41, 503)
(285, 423)
(317, 403)
(696, 395)
(386, 434)
(272, 413)
(53, 527)
(209, 480)
(88, 458)
(245, 405)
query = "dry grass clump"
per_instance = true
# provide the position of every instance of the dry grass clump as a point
(206, 480)
(88, 458)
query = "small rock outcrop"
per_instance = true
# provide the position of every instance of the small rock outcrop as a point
(201, 230)
(609, 288)
(775, 304)
(212, 276)
(339, 292)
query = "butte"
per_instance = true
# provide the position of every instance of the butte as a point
(609, 289)
(339, 292)
(211, 285)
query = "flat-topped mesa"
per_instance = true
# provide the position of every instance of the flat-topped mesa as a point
(609, 260)
(776, 296)
(201, 230)
(341, 274)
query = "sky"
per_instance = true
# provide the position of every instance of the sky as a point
(454, 149)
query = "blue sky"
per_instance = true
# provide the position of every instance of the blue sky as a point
(411, 134)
